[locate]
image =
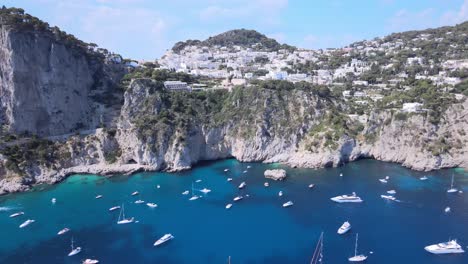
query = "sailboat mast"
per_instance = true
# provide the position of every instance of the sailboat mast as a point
(355, 247)
(451, 185)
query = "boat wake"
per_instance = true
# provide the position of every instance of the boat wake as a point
(7, 208)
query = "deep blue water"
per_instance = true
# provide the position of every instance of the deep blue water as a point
(255, 230)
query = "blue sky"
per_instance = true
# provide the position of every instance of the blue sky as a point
(145, 29)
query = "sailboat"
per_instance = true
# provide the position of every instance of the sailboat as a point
(122, 220)
(74, 250)
(318, 252)
(357, 258)
(194, 197)
(452, 190)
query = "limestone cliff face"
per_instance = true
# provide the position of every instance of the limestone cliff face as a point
(48, 88)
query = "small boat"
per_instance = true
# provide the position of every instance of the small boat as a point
(445, 248)
(311, 186)
(63, 231)
(447, 209)
(242, 185)
(228, 206)
(26, 223)
(237, 198)
(387, 177)
(163, 239)
(244, 171)
(353, 198)
(345, 227)
(248, 167)
(423, 178)
(229, 179)
(122, 220)
(391, 192)
(53, 200)
(388, 197)
(139, 201)
(383, 180)
(226, 170)
(452, 189)
(205, 190)
(114, 208)
(341, 174)
(98, 197)
(280, 193)
(135, 193)
(266, 184)
(75, 250)
(90, 261)
(198, 181)
(357, 258)
(158, 186)
(17, 214)
(185, 192)
(152, 205)
(287, 204)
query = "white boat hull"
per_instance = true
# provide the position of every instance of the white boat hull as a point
(126, 221)
(346, 201)
(358, 258)
(163, 239)
(74, 252)
(435, 250)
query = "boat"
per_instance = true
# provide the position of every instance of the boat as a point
(244, 171)
(387, 177)
(163, 239)
(383, 180)
(226, 170)
(158, 186)
(345, 227)
(452, 189)
(447, 209)
(356, 257)
(99, 197)
(287, 204)
(186, 192)
(280, 193)
(152, 205)
(311, 186)
(139, 201)
(318, 252)
(229, 179)
(341, 174)
(423, 178)
(198, 181)
(90, 261)
(63, 231)
(248, 167)
(266, 184)
(114, 208)
(445, 248)
(388, 197)
(26, 223)
(122, 220)
(135, 193)
(194, 197)
(75, 250)
(53, 200)
(237, 198)
(16, 214)
(242, 185)
(205, 190)
(353, 198)
(391, 192)
(228, 206)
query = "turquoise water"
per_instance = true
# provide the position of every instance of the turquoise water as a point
(255, 230)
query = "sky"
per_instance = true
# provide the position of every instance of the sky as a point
(145, 29)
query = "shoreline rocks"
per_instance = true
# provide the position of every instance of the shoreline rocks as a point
(277, 175)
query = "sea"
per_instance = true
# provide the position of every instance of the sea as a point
(256, 229)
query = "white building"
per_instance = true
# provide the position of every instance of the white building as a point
(177, 86)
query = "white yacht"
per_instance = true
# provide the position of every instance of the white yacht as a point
(205, 190)
(280, 193)
(16, 214)
(114, 208)
(341, 174)
(345, 227)
(139, 201)
(388, 197)
(197, 181)
(391, 192)
(228, 206)
(75, 250)
(63, 231)
(356, 257)
(163, 239)
(158, 186)
(266, 184)
(135, 193)
(229, 179)
(353, 198)
(186, 192)
(152, 205)
(226, 170)
(447, 209)
(54, 200)
(248, 167)
(445, 248)
(99, 196)
(311, 186)
(237, 198)
(26, 223)
(287, 204)
(90, 261)
(383, 180)
(122, 220)
(242, 185)
(423, 178)
(452, 189)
